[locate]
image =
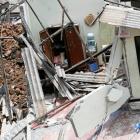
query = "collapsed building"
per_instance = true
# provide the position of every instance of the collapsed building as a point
(57, 82)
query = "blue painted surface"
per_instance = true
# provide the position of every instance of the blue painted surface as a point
(93, 67)
(137, 127)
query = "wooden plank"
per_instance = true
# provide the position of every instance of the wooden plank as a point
(74, 46)
(47, 45)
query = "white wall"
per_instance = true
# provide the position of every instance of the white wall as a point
(133, 62)
(50, 13)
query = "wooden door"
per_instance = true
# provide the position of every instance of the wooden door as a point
(74, 46)
(47, 45)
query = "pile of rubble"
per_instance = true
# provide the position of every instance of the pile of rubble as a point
(13, 64)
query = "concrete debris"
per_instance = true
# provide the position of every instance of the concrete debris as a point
(13, 65)
(86, 78)
(97, 99)
(79, 101)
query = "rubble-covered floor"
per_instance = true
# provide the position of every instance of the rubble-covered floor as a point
(120, 126)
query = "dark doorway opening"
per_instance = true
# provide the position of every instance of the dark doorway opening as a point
(137, 45)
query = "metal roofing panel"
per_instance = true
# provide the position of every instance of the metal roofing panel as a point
(121, 17)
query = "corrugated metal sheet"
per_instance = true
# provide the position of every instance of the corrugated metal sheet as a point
(121, 17)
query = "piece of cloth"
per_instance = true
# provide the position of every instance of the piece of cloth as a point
(2, 90)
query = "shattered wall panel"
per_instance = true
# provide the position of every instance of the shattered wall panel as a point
(119, 16)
